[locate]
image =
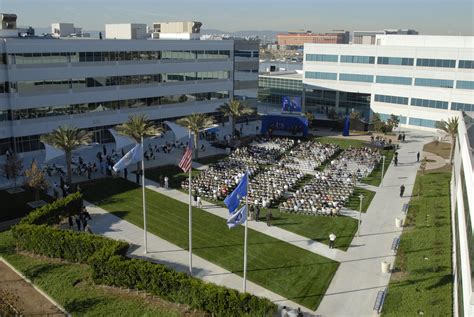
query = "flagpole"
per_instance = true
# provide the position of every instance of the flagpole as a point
(190, 214)
(143, 196)
(246, 232)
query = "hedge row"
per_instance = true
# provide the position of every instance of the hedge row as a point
(64, 244)
(177, 287)
(52, 213)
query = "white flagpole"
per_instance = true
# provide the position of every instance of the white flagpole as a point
(190, 214)
(246, 231)
(143, 195)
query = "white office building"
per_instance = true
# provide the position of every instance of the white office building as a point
(97, 84)
(421, 79)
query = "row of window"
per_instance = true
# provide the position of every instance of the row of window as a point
(427, 103)
(411, 121)
(77, 83)
(356, 77)
(248, 54)
(280, 83)
(429, 82)
(391, 99)
(386, 117)
(464, 84)
(321, 75)
(41, 112)
(384, 60)
(394, 80)
(75, 57)
(462, 106)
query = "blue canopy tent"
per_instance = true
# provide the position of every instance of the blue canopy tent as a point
(291, 123)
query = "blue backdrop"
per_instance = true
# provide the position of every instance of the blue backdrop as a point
(285, 123)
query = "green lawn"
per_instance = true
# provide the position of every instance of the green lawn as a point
(15, 205)
(354, 200)
(316, 228)
(174, 173)
(211, 159)
(292, 272)
(423, 280)
(72, 287)
(343, 143)
(374, 177)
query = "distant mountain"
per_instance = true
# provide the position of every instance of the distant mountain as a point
(269, 35)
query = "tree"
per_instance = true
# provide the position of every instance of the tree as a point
(234, 109)
(13, 166)
(138, 127)
(68, 139)
(450, 127)
(379, 125)
(393, 122)
(355, 115)
(196, 122)
(310, 117)
(36, 180)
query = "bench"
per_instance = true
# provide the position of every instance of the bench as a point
(405, 207)
(379, 301)
(395, 244)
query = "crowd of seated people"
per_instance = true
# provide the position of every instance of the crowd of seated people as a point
(307, 156)
(358, 161)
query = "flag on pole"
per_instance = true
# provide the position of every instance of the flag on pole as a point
(132, 156)
(186, 160)
(237, 218)
(232, 201)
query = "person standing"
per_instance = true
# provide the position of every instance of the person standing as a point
(125, 173)
(402, 190)
(137, 177)
(166, 182)
(395, 160)
(403, 137)
(332, 239)
(418, 156)
(269, 218)
(78, 223)
(257, 213)
(104, 149)
(71, 224)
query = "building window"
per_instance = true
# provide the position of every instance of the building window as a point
(422, 122)
(403, 61)
(428, 82)
(464, 84)
(240, 53)
(437, 104)
(357, 77)
(462, 106)
(391, 99)
(321, 58)
(385, 117)
(357, 59)
(394, 80)
(466, 64)
(321, 75)
(428, 62)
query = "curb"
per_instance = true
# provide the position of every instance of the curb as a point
(39, 290)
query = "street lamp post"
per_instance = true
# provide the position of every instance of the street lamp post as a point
(383, 170)
(361, 197)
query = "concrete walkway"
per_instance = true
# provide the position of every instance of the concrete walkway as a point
(166, 253)
(354, 287)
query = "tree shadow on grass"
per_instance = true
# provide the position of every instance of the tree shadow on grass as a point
(446, 279)
(81, 305)
(41, 269)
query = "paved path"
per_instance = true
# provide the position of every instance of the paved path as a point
(354, 287)
(166, 253)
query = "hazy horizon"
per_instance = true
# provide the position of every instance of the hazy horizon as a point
(453, 17)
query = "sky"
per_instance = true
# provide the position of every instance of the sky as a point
(440, 17)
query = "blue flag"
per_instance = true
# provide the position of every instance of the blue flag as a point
(232, 201)
(237, 218)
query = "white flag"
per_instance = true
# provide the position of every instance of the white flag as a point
(132, 156)
(237, 218)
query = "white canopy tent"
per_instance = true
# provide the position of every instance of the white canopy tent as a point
(120, 140)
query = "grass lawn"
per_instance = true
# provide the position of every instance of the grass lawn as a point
(15, 205)
(174, 173)
(294, 273)
(374, 177)
(424, 279)
(343, 143)
(72, 287)
(442, 149)
(210, 159)
(354, 200)
(316, 228)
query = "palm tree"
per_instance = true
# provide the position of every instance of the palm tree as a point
(235, 109)
(138, 127)
(68, 139)
(450, 127)
(196, 122)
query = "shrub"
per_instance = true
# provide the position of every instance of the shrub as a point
(64, 244)
(52, 213)
(176, 287)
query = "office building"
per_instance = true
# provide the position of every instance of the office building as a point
(97, 84)
(421, 79)
(299, 38)
(368, 37)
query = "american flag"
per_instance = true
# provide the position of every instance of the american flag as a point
(186, 160)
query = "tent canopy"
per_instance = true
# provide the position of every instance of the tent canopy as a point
(121, 141)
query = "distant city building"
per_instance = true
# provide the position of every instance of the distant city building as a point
(66, 30)
(368, 37)
(126, 31)
(299, 38)
(188, 30)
